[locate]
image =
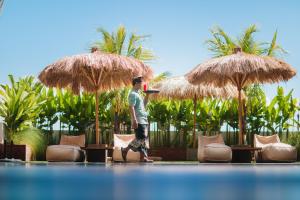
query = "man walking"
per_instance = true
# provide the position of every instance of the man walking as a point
(139, 121)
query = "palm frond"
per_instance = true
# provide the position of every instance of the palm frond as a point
(146, 55)
(107, 44)
(274, 48)
(161, 77)
(226, 37)
(247, 42)
(120, 39)
(115, 43)
(221, 44)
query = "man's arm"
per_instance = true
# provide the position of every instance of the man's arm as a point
(134, 121)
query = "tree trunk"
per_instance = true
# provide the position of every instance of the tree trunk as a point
(194, 130)
(98, 138)
(240, 118)
(116, 123)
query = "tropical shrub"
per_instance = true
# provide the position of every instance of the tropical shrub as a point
(49, 109)
(20, 104)
(35, 139)
(294, 140)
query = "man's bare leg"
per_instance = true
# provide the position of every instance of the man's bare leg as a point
(144, 157)
(124, 152)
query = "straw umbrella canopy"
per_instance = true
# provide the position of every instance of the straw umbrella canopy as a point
(180, 88)
(94, 72)
(240, 69)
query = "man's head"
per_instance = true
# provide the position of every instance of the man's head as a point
(137, 82)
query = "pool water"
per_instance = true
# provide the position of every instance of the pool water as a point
(149, 181)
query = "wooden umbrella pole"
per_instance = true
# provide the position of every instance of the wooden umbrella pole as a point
(97, 119)
(240, 118)
(194, 131)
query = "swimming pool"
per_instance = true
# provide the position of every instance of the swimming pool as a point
(149, 181)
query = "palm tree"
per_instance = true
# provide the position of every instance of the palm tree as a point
(222, 44)
(127, 45)
(119, 43)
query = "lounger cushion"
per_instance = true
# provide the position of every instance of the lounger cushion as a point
(64, 153)
(213, 149)
(121, 140)
(77, 140)
(279, 152)
(217, 152)
(274, 150)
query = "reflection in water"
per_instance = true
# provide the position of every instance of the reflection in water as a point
(154, 181)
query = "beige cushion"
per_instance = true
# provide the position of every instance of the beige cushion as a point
(274, 150)
(212, 148)
(121, 140)
(279, 152)
(78, 140)
(217, 152)
(260, 141)
(59, 153)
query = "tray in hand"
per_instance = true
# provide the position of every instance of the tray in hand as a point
(151, 91)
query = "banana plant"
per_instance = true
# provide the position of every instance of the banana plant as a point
(272, 116)
(231, 114)
(281, 112)
(160, 112)
(49, 111)
(76, 111)
(256, 109)
(211, 115)
(20, 104)
(287, 106)
(182, 119)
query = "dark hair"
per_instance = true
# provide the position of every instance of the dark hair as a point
(136, 80)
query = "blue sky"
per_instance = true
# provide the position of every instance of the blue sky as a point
(35, 33)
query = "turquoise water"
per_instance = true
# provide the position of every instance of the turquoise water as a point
(149, 181)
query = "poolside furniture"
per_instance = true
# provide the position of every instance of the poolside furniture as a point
(69, 149)
(244, 153)
(273, 150)
(98, 152)
(213, 149)
(15, 151)
(122, 140)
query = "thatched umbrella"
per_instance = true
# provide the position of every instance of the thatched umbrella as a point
(180, 88)
(241, 69)
(94, 72)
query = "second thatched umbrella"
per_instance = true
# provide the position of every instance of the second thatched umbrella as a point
(180, 88)
(94, 72)
(240, 69)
